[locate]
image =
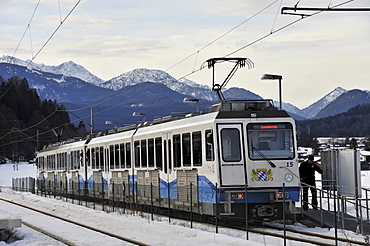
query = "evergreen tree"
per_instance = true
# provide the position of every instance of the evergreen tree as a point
(24, 118)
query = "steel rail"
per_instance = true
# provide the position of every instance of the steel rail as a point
(79, 224)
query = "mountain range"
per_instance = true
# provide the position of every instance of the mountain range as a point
(153, 91)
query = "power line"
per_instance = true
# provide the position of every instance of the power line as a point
(195, 53)
(51, 36)
(24, 33)
(223, 35)
(267, 35)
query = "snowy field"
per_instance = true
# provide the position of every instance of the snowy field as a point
(140, 228)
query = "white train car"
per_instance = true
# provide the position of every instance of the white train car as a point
(238, 146)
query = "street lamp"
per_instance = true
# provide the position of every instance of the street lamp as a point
(109, 122)
(274, 77)
(139, 114)
(192, 100)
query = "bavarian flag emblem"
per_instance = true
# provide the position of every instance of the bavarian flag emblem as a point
(262, 174)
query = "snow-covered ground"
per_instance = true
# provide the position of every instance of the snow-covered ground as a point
(140, 228)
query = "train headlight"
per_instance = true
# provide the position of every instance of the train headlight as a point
(288, 177)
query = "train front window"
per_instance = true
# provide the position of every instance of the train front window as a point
(230, 145)
(270, 141)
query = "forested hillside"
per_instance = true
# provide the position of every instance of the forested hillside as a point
(27, 123)
(354, 123)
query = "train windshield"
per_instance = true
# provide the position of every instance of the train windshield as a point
(270, 141)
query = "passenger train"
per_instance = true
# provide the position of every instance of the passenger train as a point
(241, 151)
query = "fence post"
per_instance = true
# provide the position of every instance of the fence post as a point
(367, 205)
(216, 209)
(113, 195)
(102, 194)
(124, 197)
(94, 194)
(284, 214)
(136, 197)
(151, 200)
(169, 201)
(246, 212)
(335, 216)
(79, 192)
(73, 192)
(191, 205)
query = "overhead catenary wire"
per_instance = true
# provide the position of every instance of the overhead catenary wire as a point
(267, 35)
(51, 36)
(223, 35)
(20, 41)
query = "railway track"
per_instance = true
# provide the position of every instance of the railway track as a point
(306, 237)
(127, 240)
(265, 230)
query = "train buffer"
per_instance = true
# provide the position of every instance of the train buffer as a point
(10, 223)
(346, 222)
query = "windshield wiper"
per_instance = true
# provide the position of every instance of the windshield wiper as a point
(264, 157)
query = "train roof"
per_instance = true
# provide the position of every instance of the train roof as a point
(224, 109)
(111, 137)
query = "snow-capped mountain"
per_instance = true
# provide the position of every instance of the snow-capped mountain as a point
(312, 110)
(54, 86)
(66, 68)
(72, 83)
(141, 75)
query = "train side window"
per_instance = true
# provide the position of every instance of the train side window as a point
(151, 152)
(93, 158)
(88, 157)
(65, 160)
(209, 146)
(165, 156)
(111, 156)
(58, 161)
(81, 158)
(186, 149)
(158, 153)
(76, 159)
(169, 156)
(101, 152)
(137, 153)
(116, 155)
(80, 155)
(62, 161)
(176, 151)
(122, 154)
(97, 157)
(144, 160)
(197, 148)
(73, 156)
(128, 155)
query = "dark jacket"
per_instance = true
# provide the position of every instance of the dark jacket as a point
(307, 172)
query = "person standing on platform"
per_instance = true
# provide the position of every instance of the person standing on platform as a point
(307, 173)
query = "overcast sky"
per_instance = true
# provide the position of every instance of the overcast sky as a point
(314, 55)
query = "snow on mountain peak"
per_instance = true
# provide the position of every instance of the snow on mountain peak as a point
(140, 75)
(67, 69)
(315, 108)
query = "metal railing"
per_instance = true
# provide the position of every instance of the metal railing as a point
(343, 208)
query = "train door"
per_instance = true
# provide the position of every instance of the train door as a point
(231, 154)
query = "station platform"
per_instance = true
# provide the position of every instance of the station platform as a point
(327, 218)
